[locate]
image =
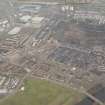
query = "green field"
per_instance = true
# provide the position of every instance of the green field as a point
(41, 92)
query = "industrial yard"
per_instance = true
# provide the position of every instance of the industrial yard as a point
(53, 43)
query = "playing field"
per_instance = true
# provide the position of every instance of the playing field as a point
(41, 92)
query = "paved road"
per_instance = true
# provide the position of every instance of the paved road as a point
(79, 90)
(93, 98)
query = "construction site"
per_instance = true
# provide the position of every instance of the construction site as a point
(62, 43)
